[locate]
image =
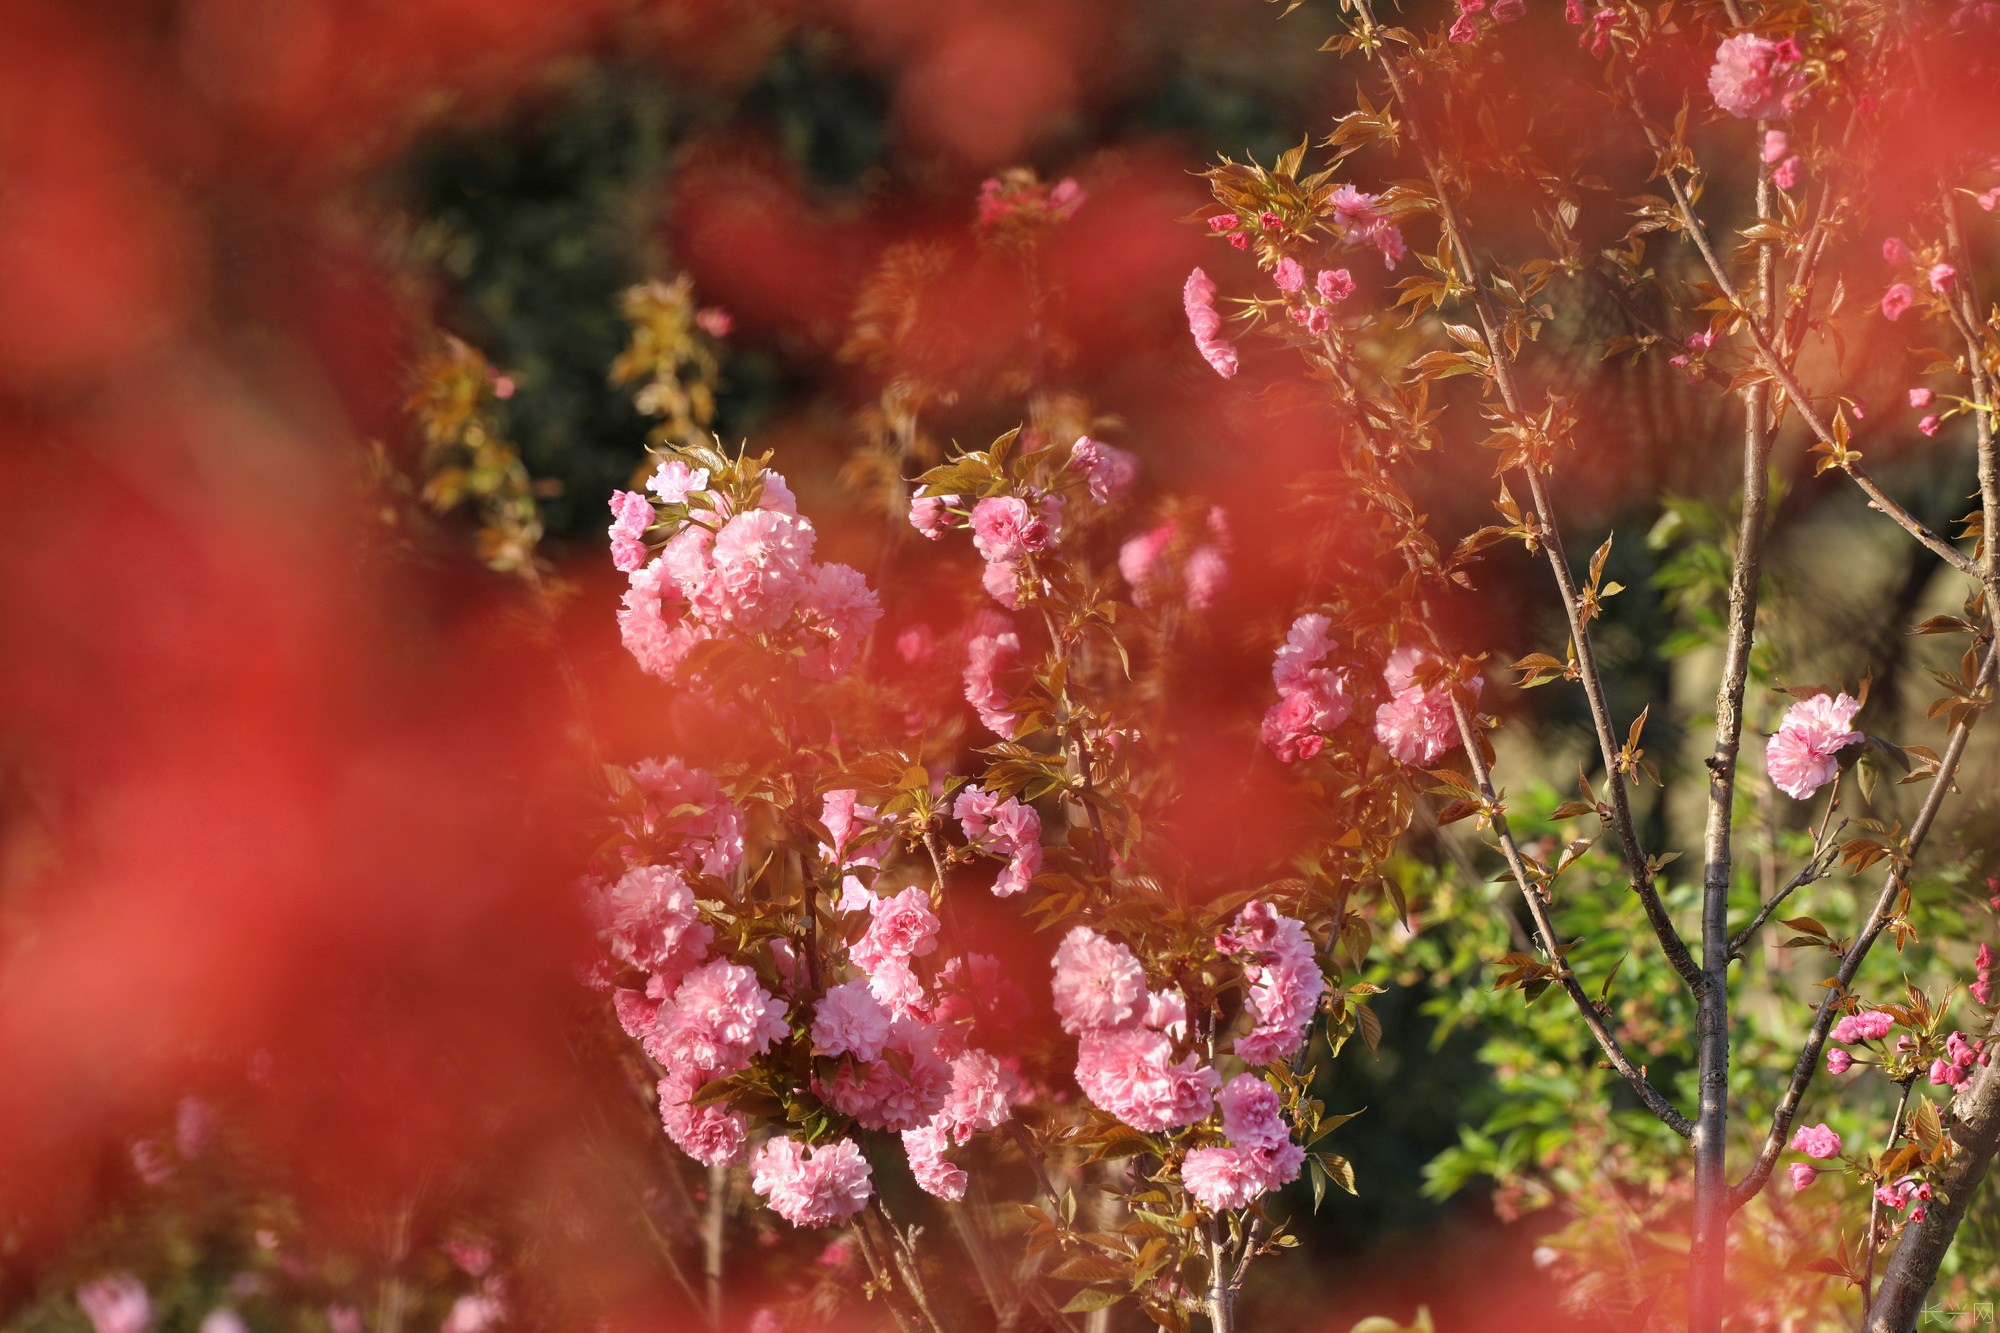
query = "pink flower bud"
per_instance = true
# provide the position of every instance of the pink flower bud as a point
(1942, 276)
(1777, 146)
(1929, 425)
(1838, 1061)
(1921, 398)
(1802, 1175)
(1895, 251)
(1899, 298)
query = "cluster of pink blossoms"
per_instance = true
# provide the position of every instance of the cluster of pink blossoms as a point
(1009, 530)
(1285, 981)
(1756, 78)
(1014, 200)
(1805, 754)
(1466, 27)
(1147, 565)
(725, 571)
(812, 1187)
(1005, 828)
(1260, 1156)
(1127, 1035)
(1852, 1029)
(1331, 287)
(1985, 968)
(992, 649)
(1312, 697)
(1417, 726)
(1787, 167)
(1955, 1066)
(1818, 1142)
(1902, 1194)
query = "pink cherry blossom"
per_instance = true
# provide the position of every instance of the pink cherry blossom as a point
(1802, 1175)
(1507, 11)
(653, 623)
(902, 1089)
(1941, 276)
(714, 321)
(992, 651)
(898, 987)
(1894, 251)
(1224, 222)
(849, 1021)
(760, 567)
(1463, 29)
(1777, 147)
(982, 1092)
(1250, 1112)
(1334, 284)
(631, 515)
(925, 1147)
(903, 927)
(1361, 222)
(837, 613)
(932, 515)
(674, 481)
(1921, 398)
(1131, 1074)
(1899, 298)
(1805, 754)
(1930, 425)
(1290, 275)
(1098, 982)
(713, 1135)
(1788, 173)
(718, 1019)
(811, 1187)
(687, 807)
(650, 922)
(1755, 78)
(1198, 300)
(1110, 471)
(1869, 1025)
(1005, 528)
(1417, 726)
(1285, 981)
(1838, 1061)
(116, 1304)
(1816, 1141)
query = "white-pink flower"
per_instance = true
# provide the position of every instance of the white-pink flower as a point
(717, 1021)
(1131, 1074)
(675, 481)
(1805, 754)
(1756, 78)
(714, 1134)
(1098, 982)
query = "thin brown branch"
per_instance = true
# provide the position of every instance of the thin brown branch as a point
(1885, 908)
(1638, 867)
(1538, 911)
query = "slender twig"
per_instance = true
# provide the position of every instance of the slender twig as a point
(1816, 868)
(1654, 1100)
(1638, 866)
(1774, 365)
(1875, 1204)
